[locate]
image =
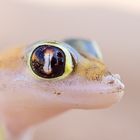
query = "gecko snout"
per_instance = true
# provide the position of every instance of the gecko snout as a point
(114, 80)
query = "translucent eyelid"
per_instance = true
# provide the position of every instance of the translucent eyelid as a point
(69, 66)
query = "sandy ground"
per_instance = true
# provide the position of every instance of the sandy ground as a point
(116, 30)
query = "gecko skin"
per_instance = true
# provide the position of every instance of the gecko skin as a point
(27, 99)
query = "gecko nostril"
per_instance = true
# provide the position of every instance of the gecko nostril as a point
(121, 86)
(111, 82)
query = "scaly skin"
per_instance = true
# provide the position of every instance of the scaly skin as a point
(26, 101)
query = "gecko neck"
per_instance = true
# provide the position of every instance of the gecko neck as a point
(15, 130)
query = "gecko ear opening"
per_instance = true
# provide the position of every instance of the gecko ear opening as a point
(50, 60)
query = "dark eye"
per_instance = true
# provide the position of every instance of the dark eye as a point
(50, 61)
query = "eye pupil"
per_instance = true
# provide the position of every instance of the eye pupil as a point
(54, 61)
(48, 61)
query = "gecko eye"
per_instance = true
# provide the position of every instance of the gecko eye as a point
(50, 60)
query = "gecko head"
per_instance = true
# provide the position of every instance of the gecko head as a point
(72, 78)
(54, 72)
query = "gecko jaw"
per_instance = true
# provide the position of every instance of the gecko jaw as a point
(80, 93)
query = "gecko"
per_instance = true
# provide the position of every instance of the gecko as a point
(47, 78)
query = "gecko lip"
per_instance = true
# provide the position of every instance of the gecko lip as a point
(118, 94)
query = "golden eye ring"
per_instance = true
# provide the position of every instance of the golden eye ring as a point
(50, 60)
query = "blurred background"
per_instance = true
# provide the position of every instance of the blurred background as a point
(115, 25)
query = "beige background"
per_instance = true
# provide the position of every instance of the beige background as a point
(115, 26)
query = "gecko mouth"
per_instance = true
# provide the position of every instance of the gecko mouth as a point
(120, 94)
(110, 84)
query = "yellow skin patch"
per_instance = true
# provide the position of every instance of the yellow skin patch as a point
(92, 69)
(11, 58)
